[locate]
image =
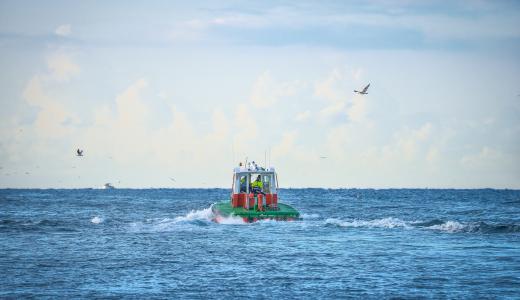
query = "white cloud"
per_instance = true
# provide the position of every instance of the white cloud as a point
(286, 145)
(220, 125)
(246, 130)
(486, 157)
(63, 30)
(303, 116)
(358, 108)
(332, 110)
(133, 113)
(327, 89)
(61, 67)
(52, 116)
(408, 142)
(267, 92)
(334, 90)
(53, 120)
(117, 132)
(263, 94)
(189, 31)
(433, 156)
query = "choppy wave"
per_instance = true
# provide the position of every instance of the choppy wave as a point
(435, 224)
(35, 225)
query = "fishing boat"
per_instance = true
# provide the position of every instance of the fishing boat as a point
(254, 196)
(108, 186)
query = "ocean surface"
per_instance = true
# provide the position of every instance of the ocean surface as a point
(351, 243)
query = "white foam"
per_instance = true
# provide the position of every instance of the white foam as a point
(165, 224)
(390, 222)
(310, 216)
(449, 226)
(96, 220)
(194, 217)
(203, 214)
(379, 223)
(232, 220)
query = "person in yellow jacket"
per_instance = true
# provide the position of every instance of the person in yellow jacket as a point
(257, 185)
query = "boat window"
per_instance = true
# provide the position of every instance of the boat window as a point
(267, 183)
(242, 183)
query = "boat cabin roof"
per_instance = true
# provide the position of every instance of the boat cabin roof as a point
(243, 170)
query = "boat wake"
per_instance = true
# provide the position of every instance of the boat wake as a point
(196, 215)
(198, 218)
(380, 223)
(435, 225)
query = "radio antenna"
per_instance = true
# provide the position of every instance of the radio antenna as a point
(265, 158)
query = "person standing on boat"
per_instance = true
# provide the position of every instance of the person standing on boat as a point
(243, 186)
(258, 185)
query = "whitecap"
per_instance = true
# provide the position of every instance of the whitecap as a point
(389, 222)
(96, 220)
(309, 216)
(449, 226)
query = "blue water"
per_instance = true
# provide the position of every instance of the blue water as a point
(160, 243)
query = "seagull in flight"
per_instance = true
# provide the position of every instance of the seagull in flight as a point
(364, 91)
(172, 179)
(79, 152)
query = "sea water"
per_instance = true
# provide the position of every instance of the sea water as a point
(350, 243)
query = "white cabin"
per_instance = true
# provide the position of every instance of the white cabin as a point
(243, 177)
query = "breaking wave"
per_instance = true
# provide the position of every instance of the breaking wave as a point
(96, 220)
(449, 226)
(198, 218)
(208, 216)
(194, 215)
(435, 225)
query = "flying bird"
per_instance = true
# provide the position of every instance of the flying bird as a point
(172, 179)
(323, 157)
(79, 152)
(364, 91)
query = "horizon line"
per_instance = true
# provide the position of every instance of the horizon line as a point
(281, 188)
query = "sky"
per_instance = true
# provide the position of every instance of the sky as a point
(175, 94)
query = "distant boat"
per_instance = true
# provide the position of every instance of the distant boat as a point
(108, 186)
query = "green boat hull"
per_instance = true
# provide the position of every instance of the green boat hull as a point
(284, 212)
